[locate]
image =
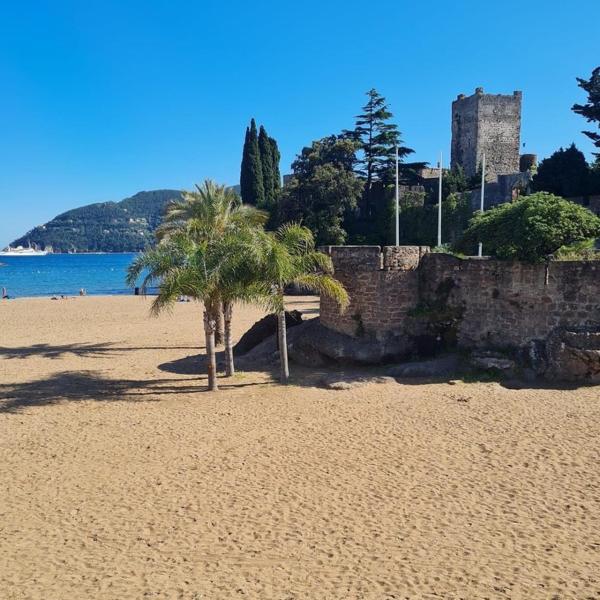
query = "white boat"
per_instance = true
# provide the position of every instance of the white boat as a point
(20, 251)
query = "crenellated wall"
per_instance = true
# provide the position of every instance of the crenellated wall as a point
(490, 303)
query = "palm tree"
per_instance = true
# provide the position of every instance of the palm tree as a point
(206, 214)
(289, 257)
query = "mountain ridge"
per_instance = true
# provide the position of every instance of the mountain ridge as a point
(124, 226)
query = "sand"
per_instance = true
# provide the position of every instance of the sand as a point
(121, 478)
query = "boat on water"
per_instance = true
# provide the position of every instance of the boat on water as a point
(21, 251)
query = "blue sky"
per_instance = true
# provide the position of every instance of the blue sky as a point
(99, 100)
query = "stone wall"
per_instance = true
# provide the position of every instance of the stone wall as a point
(487, 303)
(489, 123)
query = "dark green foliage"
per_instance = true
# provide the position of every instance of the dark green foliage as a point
(531, 228)
(565, 173)
(276, 157)
(265, 149)
(323, 189)
(251, 175)
(260, 179)
(418, 223)
(455, 182)
(591, 110)
(126, 226)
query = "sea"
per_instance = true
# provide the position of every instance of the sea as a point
(64, 274)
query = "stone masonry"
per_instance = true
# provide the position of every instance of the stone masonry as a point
(487, 303)
(489, 123)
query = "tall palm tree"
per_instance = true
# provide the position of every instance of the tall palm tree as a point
(289, 257)
(206, 214)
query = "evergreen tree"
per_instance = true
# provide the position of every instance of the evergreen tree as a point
(276, 172)
(245, 176)
(324, 188)
(591, 110)
(377, 139)
(565, 173)
(251, 176)
(267, 165)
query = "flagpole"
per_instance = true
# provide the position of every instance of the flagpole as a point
(480, 250)
(439, 232)
(397, 202)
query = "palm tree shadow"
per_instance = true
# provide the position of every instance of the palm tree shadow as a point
(94, 350)
(77, 386)
(196, 364)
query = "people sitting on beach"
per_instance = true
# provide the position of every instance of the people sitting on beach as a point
(5, 295)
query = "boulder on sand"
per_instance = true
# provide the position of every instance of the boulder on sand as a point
(442, 366)
(263, 329)
(573, 354)
(316, 345)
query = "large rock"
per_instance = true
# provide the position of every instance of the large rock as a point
(263, 329)
(316, 345)
(573, 354)
(349, 381)
(492, 361)
(443, 366)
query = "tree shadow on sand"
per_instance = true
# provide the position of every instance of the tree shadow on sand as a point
(83, 350)
(74, 386)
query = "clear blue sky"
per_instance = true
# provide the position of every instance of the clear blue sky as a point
(101, 99)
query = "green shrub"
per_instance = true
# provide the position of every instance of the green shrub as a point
(530, 229)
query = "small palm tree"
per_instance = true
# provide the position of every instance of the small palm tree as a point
(289, 257)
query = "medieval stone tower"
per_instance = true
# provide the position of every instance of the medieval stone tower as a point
(489, 123)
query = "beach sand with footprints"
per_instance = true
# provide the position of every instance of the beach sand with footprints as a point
(121, 478)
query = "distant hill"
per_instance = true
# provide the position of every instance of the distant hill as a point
(126, 226)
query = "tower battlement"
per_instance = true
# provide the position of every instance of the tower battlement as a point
(489, 123)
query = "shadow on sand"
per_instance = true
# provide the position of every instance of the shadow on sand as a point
(77, 386)
(82, 350)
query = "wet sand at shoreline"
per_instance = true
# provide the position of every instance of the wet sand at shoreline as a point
(120, 477)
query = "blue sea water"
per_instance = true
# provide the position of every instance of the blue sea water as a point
(64, 274)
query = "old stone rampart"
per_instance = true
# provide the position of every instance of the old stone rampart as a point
(405, 291)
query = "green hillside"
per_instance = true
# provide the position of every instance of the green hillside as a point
(126, 226)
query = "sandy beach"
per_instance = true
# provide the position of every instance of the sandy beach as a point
(121, 478)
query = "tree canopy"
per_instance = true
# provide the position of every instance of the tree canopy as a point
(565, 173)
(260, 176)
(591, 110)
(531, 228)
(323, 189)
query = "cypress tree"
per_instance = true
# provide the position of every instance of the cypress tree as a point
(266, 160)
(276, 155)
(245, 177)
(251, 176)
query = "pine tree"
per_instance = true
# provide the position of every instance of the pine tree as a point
(266, 161)
(378, 139)
(591, 110)
(251, 176)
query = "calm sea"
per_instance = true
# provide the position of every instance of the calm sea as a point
(56, 274)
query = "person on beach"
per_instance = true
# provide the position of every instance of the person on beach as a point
(5, 295)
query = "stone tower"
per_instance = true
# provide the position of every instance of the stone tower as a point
(489, 123)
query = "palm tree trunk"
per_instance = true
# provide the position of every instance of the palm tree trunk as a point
(227, 315)
(219, 328)
(283, 351)
(209, 333)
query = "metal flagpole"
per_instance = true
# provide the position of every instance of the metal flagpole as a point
(480, 252)
(397, 202)
(439, 238)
